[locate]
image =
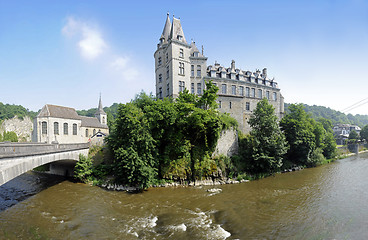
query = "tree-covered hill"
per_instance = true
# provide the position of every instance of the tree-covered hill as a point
(8, 111)
(335, 116)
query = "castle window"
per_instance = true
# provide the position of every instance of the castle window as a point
(160, 78)
(268, 95)
(230, 105)
(253, 92)
(274, 96)
(74, 129)
(241, 91)
(237, 77)
(87, 132)
(167, 72)
(160, 93)
(220, 104)
(181, 86)
(195, 54)
(44, 127)
(192, 87)
(181, 53)
(65, 129)
(223, 89)
(179, 37)
(199, 88)
(159, 61)
(218, 75)
(167, 57)
(56, 128)
(247, 106)
(167, 89)
(259, 93)
(233, 90)
(198, 70)
(247, 92)
(181, 68)
(192, 70)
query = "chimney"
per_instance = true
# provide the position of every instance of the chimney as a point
(264, 72)
(232, 64)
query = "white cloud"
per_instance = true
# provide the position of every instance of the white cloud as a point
(90, 41)
(124, 69)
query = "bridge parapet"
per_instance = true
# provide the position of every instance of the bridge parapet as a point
(10, 150)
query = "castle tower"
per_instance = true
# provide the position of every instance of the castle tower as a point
(178, 65)
(100, 113)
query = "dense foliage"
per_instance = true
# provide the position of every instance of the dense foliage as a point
(317, 112)
(308, 139)
(8, 111)
(262, 151)
(154, 139)
(8, 137)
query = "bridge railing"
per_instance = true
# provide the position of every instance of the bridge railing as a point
(8, 150)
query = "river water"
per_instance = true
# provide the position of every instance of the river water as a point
(327, 202)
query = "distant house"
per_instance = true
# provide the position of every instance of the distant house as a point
(342, 131)
(58, 124)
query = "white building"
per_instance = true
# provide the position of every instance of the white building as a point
(179, 65)
(58, 124)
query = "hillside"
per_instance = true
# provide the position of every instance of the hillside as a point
(8, 111)
(335, 116)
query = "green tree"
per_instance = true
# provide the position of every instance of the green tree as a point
(83, 168)
(133, 147)
(1, 138)
(353, 135)
(10, 136)
(208, 99)
(364, 133)
(299, 132)
(266, 145)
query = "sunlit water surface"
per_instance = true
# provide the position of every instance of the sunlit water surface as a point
(327, 202)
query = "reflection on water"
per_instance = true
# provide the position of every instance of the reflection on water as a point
(328, 202)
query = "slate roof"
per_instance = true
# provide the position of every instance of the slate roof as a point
(58, 111)
(91, 122)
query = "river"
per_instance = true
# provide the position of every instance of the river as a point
(327, 202)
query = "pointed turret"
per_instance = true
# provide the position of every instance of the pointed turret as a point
(177, 31)
(166, 32)
(100, 113)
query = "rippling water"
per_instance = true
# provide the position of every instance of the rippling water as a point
(328, 202)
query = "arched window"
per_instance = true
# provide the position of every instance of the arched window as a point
(56, 128)
(44, 127)
(65, 129)
(87, 132)
(74, 129)
(94, 131)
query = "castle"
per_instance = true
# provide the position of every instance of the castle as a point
(58, 124)
(179, 65)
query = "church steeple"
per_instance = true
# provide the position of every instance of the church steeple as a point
(100, 113)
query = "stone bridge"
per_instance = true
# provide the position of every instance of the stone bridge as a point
(18, 158)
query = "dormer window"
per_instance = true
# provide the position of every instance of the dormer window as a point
(195, 54)
(180, 37)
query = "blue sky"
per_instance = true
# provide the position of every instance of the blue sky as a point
(67, 52)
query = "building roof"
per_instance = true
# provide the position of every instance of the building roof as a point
(176, 30)
(58, 111)
(167, 28)
(91, 122)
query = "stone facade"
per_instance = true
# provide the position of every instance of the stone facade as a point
(57, 124)
(228, 143)
(22, 127)
(179, 65)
